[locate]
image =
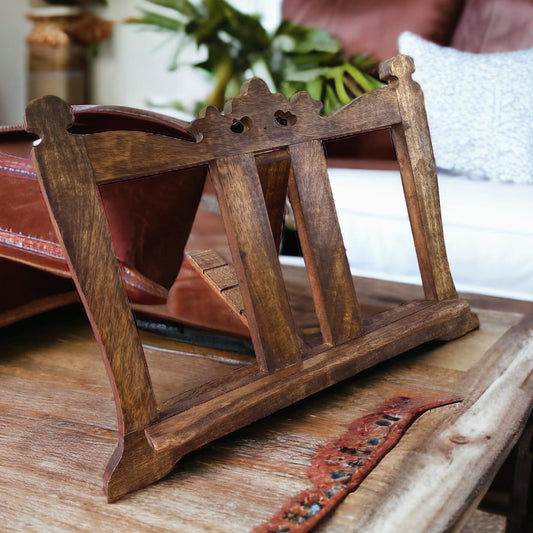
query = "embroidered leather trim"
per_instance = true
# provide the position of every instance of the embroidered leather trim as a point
(339, 467)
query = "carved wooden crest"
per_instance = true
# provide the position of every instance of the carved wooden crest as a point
(257, 117)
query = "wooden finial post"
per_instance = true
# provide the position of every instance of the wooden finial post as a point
(419, 177)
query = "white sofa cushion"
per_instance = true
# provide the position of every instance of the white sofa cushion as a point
(479, 109)
(488, 229)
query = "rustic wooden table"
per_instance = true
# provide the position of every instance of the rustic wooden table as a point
(58, 429)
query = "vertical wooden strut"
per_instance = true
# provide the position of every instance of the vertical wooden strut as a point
(256, 261)
(419, 177)
(322, 245)
(77, 212)
(71, 193)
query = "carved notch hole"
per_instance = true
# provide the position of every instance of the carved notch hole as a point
(240, 126)
(285, 118)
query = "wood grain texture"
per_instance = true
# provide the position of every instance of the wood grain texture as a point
(236, 408)
(132, 154)
(419, 177)
(127, 155)
(270, 120)
(61, 428)
(273, 169)
(216, 272)
(256, 262)
(459, 454)
(322, 245)
(76, 211)
(283, 137)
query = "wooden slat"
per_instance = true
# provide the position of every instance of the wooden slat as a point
(234, 298)
(322, 244)
(371, 111)
(419, 177)
(256, 261)
(129, 154)
(76, 210)
(242, 376)
(257, 109)
(221, 277)
(207, 259)
(122, 155)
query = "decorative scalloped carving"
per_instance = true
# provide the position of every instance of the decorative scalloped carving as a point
(256, 112)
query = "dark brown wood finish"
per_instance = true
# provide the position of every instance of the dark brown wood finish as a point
(255, 257)
(267, 394)
(273, 169)
(284, 137)
(128, 154)
(419, 178)
(216, 271)
(322, 245)
(77, 212)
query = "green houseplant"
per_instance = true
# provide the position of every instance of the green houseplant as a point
(290, 59)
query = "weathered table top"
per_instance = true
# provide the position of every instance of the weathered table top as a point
(59, 429)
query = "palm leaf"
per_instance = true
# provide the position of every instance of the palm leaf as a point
(294, 57)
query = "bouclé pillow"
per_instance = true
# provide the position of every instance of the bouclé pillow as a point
(479, 109)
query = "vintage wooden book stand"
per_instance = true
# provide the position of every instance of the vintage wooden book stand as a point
(152, 437)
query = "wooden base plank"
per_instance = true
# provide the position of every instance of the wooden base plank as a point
(265, 395)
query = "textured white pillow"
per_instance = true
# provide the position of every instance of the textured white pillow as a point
(479, 107)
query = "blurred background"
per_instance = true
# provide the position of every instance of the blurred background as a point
(129, 68)
(177, 58)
